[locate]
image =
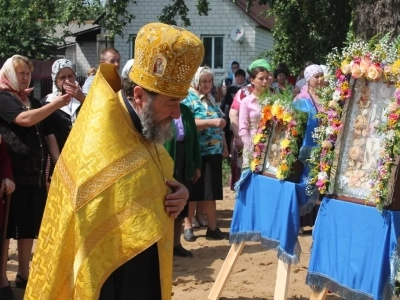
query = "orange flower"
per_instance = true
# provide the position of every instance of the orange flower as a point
(294, 132)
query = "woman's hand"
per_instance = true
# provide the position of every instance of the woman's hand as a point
(218, 122)
(197, 175)
(176, 201)
(73, 89)
(61, 100)
(7, 186)
(225, 152)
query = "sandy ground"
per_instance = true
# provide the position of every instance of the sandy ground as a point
(253, 277)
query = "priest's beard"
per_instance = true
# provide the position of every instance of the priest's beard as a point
(160, 132)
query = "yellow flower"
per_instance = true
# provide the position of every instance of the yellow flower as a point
(276, 110)
(284, 167)
(257, 138)
(345, 67)
(285, 143)
(279, 175)
(287, 117)
(254, 164)
(396, 67)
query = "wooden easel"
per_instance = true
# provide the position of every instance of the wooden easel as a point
(319, 295)
(282, 278)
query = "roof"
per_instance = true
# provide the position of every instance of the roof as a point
(75, 29)
(256, 13)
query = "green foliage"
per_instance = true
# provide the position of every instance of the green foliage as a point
(26, 26)
(306, 30)
(226, 172)
(171, 12)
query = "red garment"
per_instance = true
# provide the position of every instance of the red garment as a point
(292, 80)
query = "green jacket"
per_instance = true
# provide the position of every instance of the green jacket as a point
(192, 146)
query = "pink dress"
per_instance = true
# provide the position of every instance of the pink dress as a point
(249, 117)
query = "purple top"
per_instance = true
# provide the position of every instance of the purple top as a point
(180, 132)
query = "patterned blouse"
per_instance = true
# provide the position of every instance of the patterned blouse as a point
(211, 139)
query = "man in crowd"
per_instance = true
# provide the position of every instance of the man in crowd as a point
(108, 55)
(107, 231)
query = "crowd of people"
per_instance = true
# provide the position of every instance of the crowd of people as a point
(93, 157)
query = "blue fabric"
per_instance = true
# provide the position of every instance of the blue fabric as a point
(354, 252)
(267, 210)
(305, 105)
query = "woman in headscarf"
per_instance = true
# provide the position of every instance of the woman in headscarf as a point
(210, 123)
(22, 131)
(308, 102)
(61, 121)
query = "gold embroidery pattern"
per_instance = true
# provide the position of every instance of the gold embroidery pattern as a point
(104, 206)
(183, 52)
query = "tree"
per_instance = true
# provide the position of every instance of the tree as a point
(306, 30)
(32, 22)
(372, 17)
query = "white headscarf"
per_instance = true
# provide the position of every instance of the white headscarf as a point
(57, 66)
(311, 70)
(195, 88)
(127, 68)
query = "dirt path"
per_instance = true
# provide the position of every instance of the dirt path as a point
(252, 278)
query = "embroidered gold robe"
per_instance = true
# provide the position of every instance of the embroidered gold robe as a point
(105, 203)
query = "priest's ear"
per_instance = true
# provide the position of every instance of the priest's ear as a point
(139, 96)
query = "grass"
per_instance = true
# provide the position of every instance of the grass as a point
(226, 172)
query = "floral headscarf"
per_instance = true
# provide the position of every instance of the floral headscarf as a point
(311, 70)
(57, 66)
(73, 106)
(9, 80)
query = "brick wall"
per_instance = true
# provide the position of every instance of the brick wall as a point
(86, 57)
(223, 16)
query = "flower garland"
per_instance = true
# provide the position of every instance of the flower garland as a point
(389, 149)
(278, 109)
(374, 61)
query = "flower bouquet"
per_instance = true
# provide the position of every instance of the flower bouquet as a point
(357, 121)
(279, 134)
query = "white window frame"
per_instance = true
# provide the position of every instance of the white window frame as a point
(213, 36)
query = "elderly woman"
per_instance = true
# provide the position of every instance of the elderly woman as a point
(22, 131)
(210, 123)
(60, 122)
(308, 102)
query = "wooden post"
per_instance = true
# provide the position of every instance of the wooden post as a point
(225, 271)
(282, 281)
(319, 295)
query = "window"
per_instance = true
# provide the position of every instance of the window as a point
(132, 40)
(214, 52)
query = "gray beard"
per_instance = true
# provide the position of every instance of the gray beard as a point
(155, 132)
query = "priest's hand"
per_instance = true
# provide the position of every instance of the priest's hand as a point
(176, 200)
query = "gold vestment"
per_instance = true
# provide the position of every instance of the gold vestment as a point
(105, 203)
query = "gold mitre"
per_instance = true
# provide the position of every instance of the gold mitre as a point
(166, 59)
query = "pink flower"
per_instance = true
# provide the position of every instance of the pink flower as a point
(397, 95)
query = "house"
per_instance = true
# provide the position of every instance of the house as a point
(215, 31)
(81, 46)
